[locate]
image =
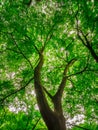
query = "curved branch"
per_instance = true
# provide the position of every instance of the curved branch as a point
(86, 43)
(16, 91)
(50, 34)
(80, 72)
(63, 81)
(58, 96)
(21, 51)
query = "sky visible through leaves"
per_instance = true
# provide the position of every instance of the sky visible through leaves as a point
(68, 32)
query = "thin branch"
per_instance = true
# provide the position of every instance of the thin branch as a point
(81, 39)
(85, 37)
(36, 124)
(83, 70)
(21, 51)
(33, 44)
(63, 58)
(81, 127)
(80, 72)
(10, 49)
(47, 93)
(77, 27)
(49, 35)
(85, 41)
(71, 82)
(16, 91)
(90, 48)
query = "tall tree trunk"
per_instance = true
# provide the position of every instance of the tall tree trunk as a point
(54, 120)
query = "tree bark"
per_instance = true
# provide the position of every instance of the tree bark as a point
(54, 120)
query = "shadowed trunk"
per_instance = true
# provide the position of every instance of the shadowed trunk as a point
(54, 120)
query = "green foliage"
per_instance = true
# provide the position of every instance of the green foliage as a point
(54, 24)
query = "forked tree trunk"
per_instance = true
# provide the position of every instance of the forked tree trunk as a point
(53, 119)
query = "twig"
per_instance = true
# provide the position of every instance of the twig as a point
(21, 52)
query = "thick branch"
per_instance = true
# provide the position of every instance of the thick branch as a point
(57, 97)
(63, 81)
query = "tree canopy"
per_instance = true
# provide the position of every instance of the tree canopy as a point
(48, 63)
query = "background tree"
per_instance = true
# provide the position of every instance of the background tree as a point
(49, 53)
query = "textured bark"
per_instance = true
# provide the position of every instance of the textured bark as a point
(57, 122)
(54, 120)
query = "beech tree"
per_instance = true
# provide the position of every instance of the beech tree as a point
(49, 64)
